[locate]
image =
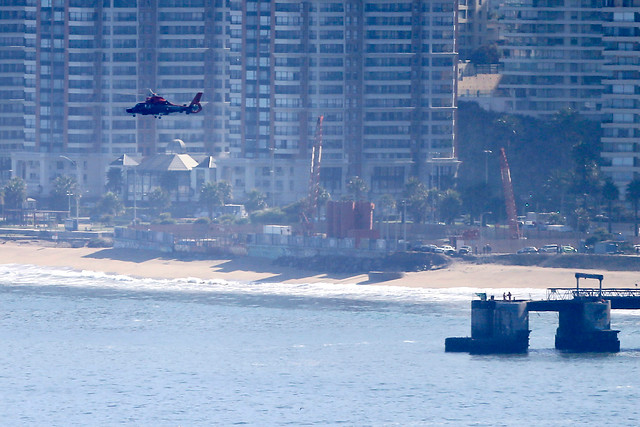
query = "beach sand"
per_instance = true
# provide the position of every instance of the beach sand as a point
(151, 264)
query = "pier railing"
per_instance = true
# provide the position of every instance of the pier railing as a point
(571, 293)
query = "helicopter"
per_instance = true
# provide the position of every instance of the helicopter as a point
(158, 106)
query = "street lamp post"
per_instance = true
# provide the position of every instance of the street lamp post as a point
(404, 222)
(75, 164)
(273, 176)
(486, 166)
(135, 196)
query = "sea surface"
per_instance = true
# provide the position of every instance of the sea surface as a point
(85, 348)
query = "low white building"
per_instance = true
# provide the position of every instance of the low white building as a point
(282, 181)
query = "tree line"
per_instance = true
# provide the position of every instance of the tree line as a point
(555, 167)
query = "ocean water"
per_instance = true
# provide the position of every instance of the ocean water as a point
(84, 348)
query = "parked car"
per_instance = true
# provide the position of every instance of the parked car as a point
(448, 250)
(426, 248)
(528, 250)
(554, 248)
(465, 250)
(568, 249)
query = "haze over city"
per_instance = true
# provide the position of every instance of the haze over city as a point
(319, 212)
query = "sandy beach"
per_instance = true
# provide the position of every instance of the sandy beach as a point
(157, 265)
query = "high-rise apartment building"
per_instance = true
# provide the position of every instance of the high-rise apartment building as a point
(381, 72)
(621, 108)
(69, 69)
(553, 56)
(578, 54)
(474, 29)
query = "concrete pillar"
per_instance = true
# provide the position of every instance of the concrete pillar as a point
(586, 326)
(496, 327)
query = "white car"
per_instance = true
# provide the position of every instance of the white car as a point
(554, 248)
(465, 250)
(448, 250)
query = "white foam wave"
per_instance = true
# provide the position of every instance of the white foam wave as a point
(31, 275)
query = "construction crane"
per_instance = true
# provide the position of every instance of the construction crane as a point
(314, 176)
(510, 201)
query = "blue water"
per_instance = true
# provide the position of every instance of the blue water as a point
(92, 349)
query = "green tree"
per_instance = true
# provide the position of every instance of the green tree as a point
(15, 193)
(586, 173)
(633, 195)
(420, 202)
(580, 219)
(387, 204)
(450, 206)
(159, 200)
(610, 194)
(474, 200)
(64, 189)
(556, 189)
(485, 55)
(357, 187)
(114, 180)
(226, 190)
(110, 204)
(256, 201)
(211, 196)
(268, 216)
(540, 151)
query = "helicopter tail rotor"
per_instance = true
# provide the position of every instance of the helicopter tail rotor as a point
(195, 106)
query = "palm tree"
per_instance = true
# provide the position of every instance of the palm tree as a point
(357, 187)
(450, 205)
(159, 200)
(418, 200)
(64, 188)
(110, 204)
(226, 191)
(211, 196)
(114, 180)
(633, 195)
(387, 205)
(610, 193)
(15, 192)
(256, 201)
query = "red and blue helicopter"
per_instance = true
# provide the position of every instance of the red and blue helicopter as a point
(157, 106)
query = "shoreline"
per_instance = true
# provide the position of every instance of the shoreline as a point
(156, 265)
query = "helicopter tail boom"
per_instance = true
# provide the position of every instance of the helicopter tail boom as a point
(195, 106)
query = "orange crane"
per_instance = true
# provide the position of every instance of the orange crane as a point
(314, 176)
(510, 201)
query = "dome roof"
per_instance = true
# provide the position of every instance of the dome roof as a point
(177, 146)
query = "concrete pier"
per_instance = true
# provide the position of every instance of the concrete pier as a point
(584, 320)
(496, 327)
(585, 326)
